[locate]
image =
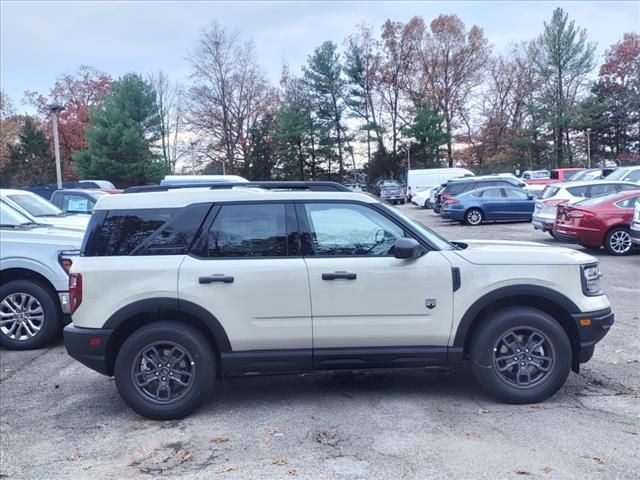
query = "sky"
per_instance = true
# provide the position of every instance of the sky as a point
(39, 41)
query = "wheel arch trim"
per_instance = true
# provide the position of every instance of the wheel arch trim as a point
(471, 315)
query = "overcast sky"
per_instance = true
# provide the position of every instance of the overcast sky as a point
(42, 40)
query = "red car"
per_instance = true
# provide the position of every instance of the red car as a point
(557, 175)
(598, 221)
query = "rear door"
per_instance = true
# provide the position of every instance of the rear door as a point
(247, 271)
(493, 203)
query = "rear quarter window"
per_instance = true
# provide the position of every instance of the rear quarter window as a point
(549, 192)
(457, 188)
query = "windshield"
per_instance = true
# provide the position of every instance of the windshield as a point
(390, 183)
(35, 205)
(10, 216)
(618, 174)
(433, 237)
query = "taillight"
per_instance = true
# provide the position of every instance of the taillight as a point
(446, 195)
(452, 201)
(554, 203)
(75, 291)
(580, 214)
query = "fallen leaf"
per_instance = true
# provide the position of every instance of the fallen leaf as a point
(186, 457)
(547, 469)
(101, 425)
(473, 435)
(630, 432)
(219, 439)
(272, 432)
(538, 407)
(600, 460)
(482, 410)
(280, 461)
(292, 471)
(521, 471)
(133, 463)
(440, 408)
(227, 469)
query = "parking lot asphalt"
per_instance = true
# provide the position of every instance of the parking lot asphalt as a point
(58, 419)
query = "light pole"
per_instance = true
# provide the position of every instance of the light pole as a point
(55, 110)
(588, 148)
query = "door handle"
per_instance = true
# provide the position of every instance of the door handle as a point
(339, 275)
(216, 278)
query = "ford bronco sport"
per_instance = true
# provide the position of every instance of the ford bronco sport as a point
(175, 290)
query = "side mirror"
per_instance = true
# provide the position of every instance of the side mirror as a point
(407, 248)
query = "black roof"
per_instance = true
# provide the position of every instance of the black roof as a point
(268, 185)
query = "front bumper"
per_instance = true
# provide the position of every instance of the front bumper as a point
(89, 346)
(592, 327)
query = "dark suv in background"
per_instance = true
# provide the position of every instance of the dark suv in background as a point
(456, 187)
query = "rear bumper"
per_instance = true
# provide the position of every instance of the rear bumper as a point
(543, 222)
(599, 325)
(565, 236)
(88, 346)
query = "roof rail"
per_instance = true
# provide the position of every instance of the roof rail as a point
(267, 185)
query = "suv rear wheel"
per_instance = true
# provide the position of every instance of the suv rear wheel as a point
(29, 315)
(165, 370)
(521, 355)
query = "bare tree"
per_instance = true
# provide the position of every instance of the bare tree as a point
(227, 95)
(170, 105)
(453, 62)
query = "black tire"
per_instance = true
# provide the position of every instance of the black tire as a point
(436, 209)
(488, 355)
(552, 234)
(199, 361)
(427, 204)
(618, 242)
(401, 202)
(473, 216)
(49, 321)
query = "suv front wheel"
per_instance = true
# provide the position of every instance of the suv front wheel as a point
(165, 370)
(520, 355)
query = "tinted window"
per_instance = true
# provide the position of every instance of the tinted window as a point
(177, 235)
(249, 230)
(578, 191)
(492, 193)
(634, 176)
(456, 188)
(348, 229)
(123, 230)
(516, 194)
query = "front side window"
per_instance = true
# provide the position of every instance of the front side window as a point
(349, 229)
(516, 194)
(249, 230)
(602, 189)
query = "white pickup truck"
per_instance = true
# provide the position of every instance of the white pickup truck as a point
(34, 291)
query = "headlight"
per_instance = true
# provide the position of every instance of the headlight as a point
(591, 276)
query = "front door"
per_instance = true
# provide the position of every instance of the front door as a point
(362, 296)
(249, 276)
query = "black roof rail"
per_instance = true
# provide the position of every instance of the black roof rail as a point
(267, 185)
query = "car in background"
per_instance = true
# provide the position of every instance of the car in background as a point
(39, 210)
(635, 225)
(489, 204)
(75, 200)
(34, 282)
(390, 190)
(425, 178)
(544, 215)
(536, 175)
(592, 174)
(356, 187)
(463, 185)
(191, 179)
(557, 175)
(625, 174)
(423, 198)
(599, 222)
(45, 191)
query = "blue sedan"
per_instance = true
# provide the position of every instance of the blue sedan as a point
(489, 204)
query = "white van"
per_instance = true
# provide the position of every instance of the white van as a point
(422, 179)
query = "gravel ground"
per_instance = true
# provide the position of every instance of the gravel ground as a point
(59, 419)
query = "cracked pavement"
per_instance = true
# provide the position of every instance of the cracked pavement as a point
(58, 419)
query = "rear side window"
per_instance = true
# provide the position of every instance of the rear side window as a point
(634, 176)
(549, 192)
(492, 193)
(628, 203)
(578, 191)
(602, 189)
(459, 187)
(121, 231)
(249, 230)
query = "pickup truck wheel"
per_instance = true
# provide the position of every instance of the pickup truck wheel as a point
(521, 355)
(165, 370)
(618, 241)
(473, 216)
(29, 315)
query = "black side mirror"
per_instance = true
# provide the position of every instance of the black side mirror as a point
(407, 248)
